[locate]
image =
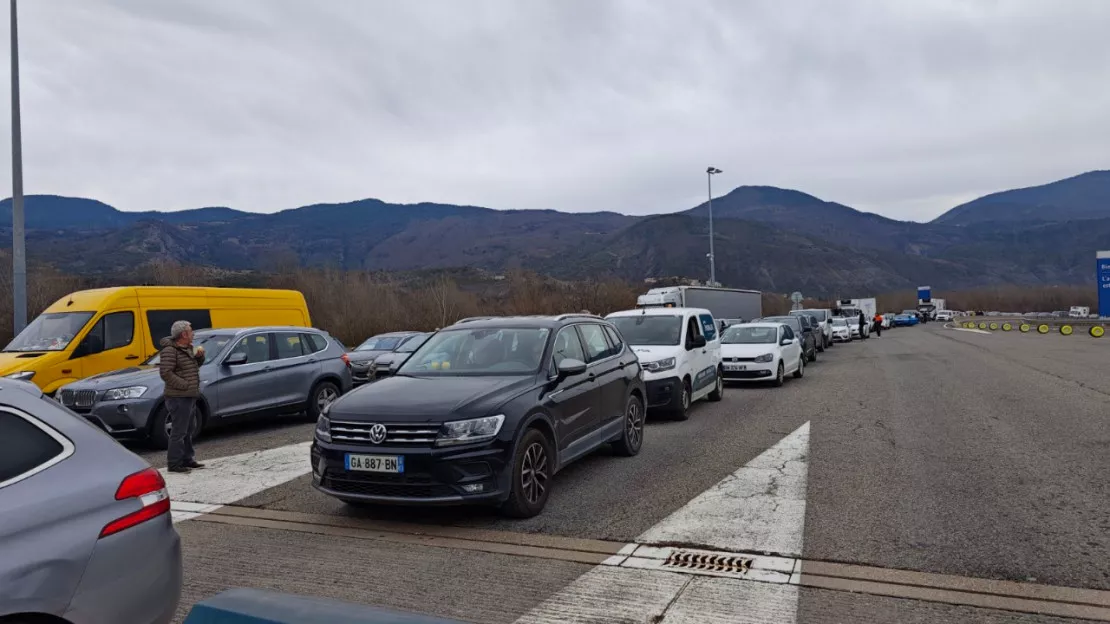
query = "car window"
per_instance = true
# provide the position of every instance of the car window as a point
(160, 321)
(289, 345)
(567, 345)
(787, 333)
(213, 344)
(593, 336)
(614, 339)
(256, 346)
(708, 327)
(479, 351)
(23, 446)
(692, 330)
(314, 343)
(112, 331)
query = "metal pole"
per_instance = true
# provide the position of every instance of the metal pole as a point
(712, 258)
(19, 249)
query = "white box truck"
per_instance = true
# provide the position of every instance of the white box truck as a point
(730, 305)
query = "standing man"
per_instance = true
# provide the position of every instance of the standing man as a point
(862, 324)
(180, 370)
(878, 324)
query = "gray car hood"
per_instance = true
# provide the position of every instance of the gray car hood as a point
(135, 376)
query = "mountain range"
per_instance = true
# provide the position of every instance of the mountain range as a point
(765, 237)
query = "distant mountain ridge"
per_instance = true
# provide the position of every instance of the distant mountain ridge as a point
(766, 237)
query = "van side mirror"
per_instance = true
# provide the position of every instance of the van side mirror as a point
(236, 359)
(696, 342)
(571, 367)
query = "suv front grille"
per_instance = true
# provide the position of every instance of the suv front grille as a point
(80, 399)
(359, 433)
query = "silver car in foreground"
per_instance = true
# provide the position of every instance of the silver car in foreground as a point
(85, 531)
(249, 372)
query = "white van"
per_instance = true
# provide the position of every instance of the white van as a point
(680, 352)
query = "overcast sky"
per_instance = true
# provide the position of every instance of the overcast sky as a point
(895, 107)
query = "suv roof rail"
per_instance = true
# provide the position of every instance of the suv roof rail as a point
(563, 317)
(472, 318)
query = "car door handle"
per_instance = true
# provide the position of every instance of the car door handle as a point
(703, 351)
(131, 357)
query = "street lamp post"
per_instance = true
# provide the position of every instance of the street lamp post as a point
(19, 249)
(709, 173)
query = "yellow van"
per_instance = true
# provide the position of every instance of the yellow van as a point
(96, 331)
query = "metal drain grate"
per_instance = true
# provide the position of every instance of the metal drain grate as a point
(708, 562)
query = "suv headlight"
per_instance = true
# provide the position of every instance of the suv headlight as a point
(130, 392)
(659, 365)
(21, 376)
(766, 357)
(469, 431)
(323, 427)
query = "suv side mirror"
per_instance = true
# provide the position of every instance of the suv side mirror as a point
(571, 367)
(696, 342)
(236, 359)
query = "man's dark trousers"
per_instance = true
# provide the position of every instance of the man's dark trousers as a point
(182, 428)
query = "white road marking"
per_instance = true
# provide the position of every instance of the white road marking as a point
(968, 329)
(760, 508)
(224, 480)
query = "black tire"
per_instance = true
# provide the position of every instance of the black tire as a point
(801, 372)
(813, 358)
(718, 392)
(322, 394)
(530, 486)
(159, 434)
(780, 378)
(632, 437)
(821, 346)
(682, 410)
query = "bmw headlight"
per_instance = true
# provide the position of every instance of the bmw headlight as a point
(130, 392)
(659, 365)
(21, 376)
(766, 357)
(469, 431)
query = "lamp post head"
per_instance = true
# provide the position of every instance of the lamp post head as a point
(712, 170)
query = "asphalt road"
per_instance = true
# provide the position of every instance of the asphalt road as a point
(932, 450)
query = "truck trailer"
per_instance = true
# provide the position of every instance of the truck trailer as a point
(731, 305)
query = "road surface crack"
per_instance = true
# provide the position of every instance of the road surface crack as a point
(657, 619)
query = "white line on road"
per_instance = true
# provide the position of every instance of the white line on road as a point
(225, 480)
(758, 508)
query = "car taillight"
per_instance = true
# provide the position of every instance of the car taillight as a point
(150, 488)
(346, 360)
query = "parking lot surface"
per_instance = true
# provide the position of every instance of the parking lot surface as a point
(955, 457)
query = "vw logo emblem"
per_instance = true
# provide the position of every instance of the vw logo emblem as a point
(377, 433)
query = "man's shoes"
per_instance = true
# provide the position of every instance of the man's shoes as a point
(183, 469)
(194, 464)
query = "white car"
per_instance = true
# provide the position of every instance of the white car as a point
(945, 315)
(841, 332)
(761, 352)
(680, 353)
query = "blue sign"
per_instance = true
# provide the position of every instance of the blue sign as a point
(924, 293)
(1103, 276)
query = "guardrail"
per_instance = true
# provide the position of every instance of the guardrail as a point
(1095, 328)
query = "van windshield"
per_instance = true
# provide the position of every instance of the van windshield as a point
(50, 332)
(649, 329)
(822, 315)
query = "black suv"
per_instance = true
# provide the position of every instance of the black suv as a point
(485, 411)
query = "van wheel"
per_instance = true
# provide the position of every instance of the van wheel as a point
(322, 395)
(719, 391)
(159, 425)
(533, 466)
(682, 411)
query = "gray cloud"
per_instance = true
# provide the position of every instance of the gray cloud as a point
(894, 107)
